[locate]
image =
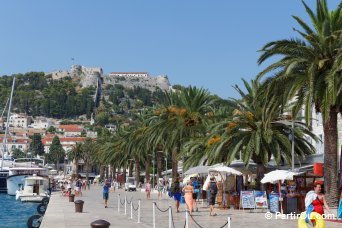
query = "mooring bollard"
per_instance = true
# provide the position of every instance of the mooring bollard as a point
(154, 215)
(100, 224)
(139, 212)
(79, 206)
(170, 217)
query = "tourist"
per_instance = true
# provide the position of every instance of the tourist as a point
(315, 202)
(106, 187)
(78, 187)
(148, 190)
(69, 188)
(188, 196)
(88, 184)
(160, 188)
(176, 192)
(195, 195)
(212, 189)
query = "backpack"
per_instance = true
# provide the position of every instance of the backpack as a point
(213, 188)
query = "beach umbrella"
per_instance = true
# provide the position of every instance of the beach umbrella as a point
(197, 170)
(225, 170)
(278, 175)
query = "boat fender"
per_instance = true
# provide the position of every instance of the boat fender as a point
(41, 208)
(45, 200)
(34, 221)
(17, 195)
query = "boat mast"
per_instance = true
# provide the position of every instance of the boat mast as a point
(4, 142)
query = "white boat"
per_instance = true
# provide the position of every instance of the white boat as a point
(20, 171)
(34, 189)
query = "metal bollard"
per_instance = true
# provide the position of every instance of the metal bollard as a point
(100, 224)
(186, 219)
(118, 203)
(125, 205)
(132, 209)
(154, 215)
(228, 224)
(170, 217)
(139, 212)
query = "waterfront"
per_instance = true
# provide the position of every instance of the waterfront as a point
(14, 213)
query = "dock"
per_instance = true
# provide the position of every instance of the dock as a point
(61, 213)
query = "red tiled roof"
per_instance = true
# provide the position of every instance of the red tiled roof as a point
(70, 128)
(16, 141)
(65, 139)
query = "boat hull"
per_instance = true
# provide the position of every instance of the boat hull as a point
(14, 183)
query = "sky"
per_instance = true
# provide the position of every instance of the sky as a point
(203, 43)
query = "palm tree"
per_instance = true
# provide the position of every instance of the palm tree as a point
(310, 70)
(253, 131)
(88, 155)
(75, 154)
(183, 115)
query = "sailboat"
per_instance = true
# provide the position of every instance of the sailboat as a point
(5, 159)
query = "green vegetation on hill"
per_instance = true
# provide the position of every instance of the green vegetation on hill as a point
(39, 95)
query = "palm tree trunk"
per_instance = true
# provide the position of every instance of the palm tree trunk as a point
(330, 158)
(87, 165)
(147, 170)
(130, 169)
(159, 164)
(124, 174)
(174, 163)
(137, 170)
(261, 170)
(76, 166)
(102, 171)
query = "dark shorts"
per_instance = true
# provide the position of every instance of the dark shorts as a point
(212, 199)
(194, 196)
(177, 196)
(105, 196)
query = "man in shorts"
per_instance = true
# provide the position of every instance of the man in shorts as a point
(105, 192)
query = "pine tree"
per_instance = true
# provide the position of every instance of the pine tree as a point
(36, 146)
(56, 152)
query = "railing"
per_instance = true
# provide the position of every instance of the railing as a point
(134, 210)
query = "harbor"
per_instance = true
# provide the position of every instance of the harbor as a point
(61, 213)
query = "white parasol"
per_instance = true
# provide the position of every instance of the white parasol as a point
(278, 175)
(225, 170)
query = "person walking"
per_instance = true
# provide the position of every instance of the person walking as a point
(212, 189)
(176, 192)
(195, 195)
(188, 196)
(160, 188)
(148, 190)
(105, 193)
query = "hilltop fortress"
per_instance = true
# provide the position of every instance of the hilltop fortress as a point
(90, 76)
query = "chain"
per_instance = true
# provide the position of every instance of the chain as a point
(134, 207)
(161, 209)
(195, 221)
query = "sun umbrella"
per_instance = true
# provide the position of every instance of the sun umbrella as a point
(198, 169)
(225, 170)
(278, 175)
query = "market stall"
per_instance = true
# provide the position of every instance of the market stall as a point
(226, 178)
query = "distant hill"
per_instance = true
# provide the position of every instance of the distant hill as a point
(82, 91)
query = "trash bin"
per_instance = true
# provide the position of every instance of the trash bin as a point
(71, 198)
(100, 224)
(79, 206)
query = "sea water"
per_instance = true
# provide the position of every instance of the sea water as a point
(14, 213)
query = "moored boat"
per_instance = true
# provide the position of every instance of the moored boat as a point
(34, 190)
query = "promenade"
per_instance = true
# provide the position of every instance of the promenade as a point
(60, 213)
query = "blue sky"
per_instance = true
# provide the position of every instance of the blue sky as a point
(210, 44)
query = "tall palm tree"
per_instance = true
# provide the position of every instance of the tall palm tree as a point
(310, 69)
(183, 115)
(75, 155)
(253, 131)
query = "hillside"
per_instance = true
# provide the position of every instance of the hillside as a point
(79, 91)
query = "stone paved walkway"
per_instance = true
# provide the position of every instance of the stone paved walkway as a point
(60, 213)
